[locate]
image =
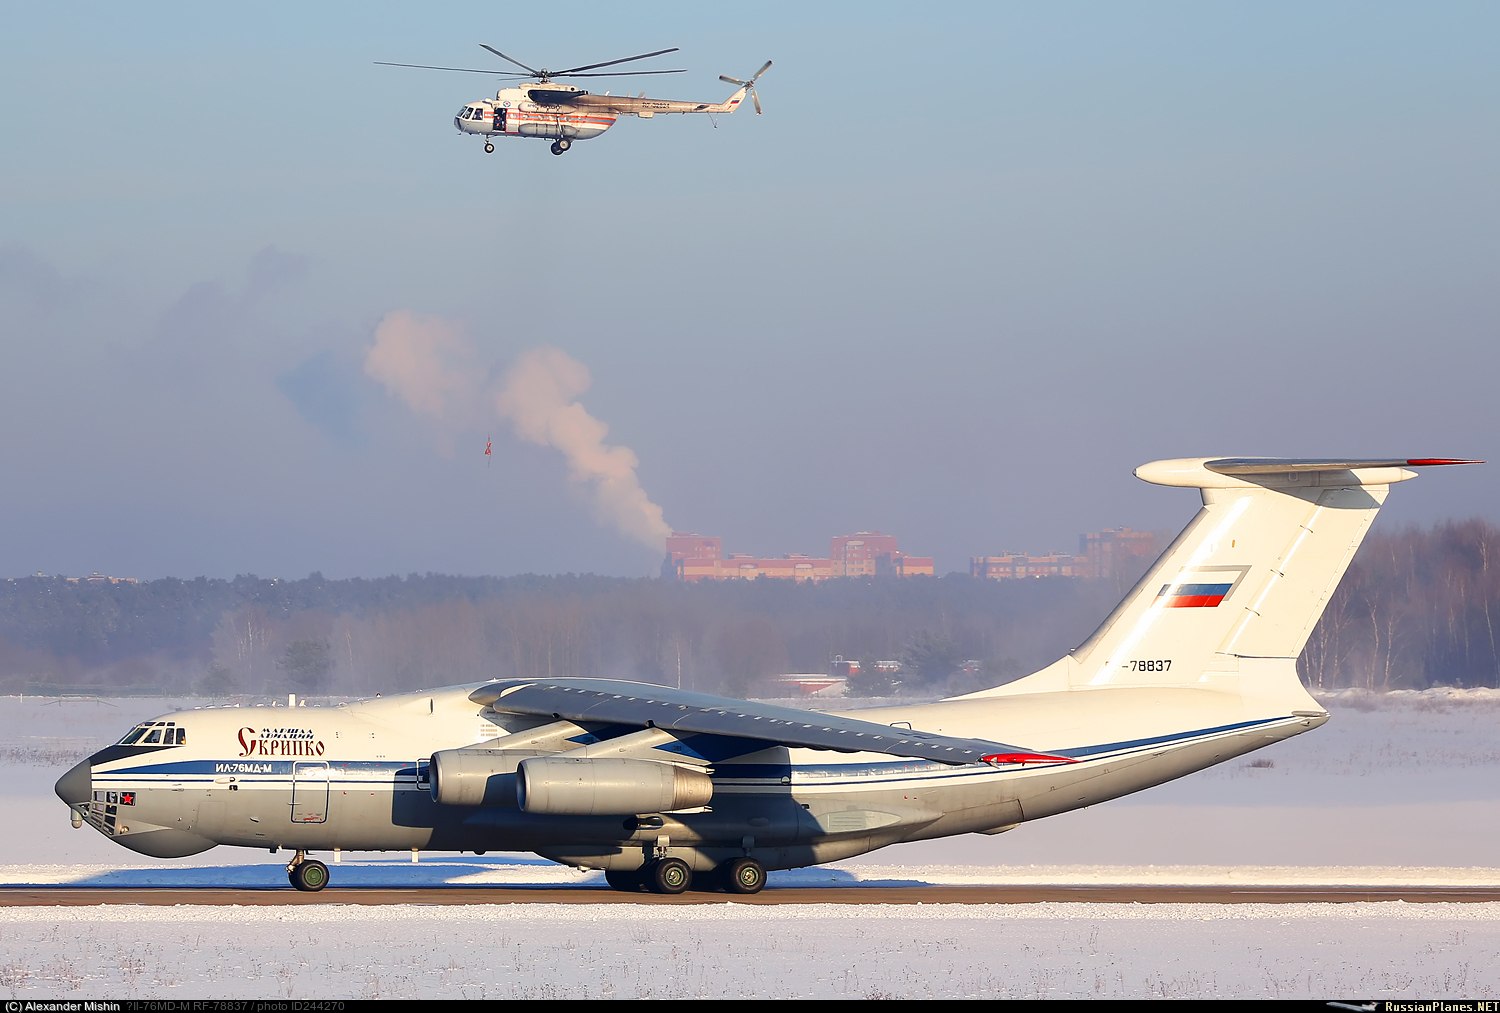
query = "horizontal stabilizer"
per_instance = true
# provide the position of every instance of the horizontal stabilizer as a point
(1228, 472)
(1277, 465)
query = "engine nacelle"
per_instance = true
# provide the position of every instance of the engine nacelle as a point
(467, 776)
(613, 786)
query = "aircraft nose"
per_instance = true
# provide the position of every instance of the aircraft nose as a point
(76, 787)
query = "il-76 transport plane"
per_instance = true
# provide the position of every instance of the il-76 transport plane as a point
(667, 790)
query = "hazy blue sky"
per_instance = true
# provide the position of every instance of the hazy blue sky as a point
(263, 306)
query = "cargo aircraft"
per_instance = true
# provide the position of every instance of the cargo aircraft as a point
(665, 790)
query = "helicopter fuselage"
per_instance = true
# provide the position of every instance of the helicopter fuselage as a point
(514, 113)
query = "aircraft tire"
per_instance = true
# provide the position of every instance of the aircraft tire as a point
(743, 875)
(309, 876)
(563, 144)
(626, 881)
(670, 875)
(557, 149)
(488, 147)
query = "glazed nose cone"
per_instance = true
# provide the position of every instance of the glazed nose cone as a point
(76, 787)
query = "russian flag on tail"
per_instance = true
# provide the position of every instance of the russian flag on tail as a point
(1193, 596)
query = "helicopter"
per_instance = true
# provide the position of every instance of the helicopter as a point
(548, 109)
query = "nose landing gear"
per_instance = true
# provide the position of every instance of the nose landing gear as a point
(489, 147)
(307, 874)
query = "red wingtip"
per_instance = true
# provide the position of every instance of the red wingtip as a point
(1427, 462)
(1004, 759)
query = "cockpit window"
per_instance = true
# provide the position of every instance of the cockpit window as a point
(155, 733)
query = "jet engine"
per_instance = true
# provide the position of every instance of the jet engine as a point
(463, 776)
(614, 786)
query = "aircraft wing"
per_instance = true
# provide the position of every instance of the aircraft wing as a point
(632, 703)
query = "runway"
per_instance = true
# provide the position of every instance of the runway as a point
(72, 896)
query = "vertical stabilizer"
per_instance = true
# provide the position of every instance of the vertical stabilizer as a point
(1243, 585)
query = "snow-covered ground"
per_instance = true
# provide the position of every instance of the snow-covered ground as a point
(1397, 788)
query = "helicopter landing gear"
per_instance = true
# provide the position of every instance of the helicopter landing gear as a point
(489, 147)
(307, 874)
(560, 145)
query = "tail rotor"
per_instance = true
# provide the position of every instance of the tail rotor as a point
(750, 84)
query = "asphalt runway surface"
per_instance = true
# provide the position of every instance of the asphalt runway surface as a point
(72, 896)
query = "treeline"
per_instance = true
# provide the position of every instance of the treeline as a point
(1417, 608)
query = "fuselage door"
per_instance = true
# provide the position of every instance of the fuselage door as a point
(310, 791)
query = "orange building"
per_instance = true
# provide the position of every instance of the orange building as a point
(1118, 551)
(694, 557)
(858, 555)
(1020, 565)
(899, 564)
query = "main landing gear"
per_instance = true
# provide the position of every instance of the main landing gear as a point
(673, 875)
(489, 147)
(743, 875)
(307, 874)
(560, 145)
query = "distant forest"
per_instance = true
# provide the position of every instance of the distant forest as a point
(1417, 608)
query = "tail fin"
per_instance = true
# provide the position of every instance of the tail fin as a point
(1243, 585)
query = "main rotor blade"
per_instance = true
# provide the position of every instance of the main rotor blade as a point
(622, 73)
(461, 70)
(502, 56)
(611, 63)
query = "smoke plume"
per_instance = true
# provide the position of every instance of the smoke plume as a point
(538, 396)
(431, 366)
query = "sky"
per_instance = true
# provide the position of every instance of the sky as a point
(262, 309)
(1395, 789)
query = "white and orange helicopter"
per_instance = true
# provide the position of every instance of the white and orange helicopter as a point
(563, 113)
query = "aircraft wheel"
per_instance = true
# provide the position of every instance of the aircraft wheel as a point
(310, 876)
(488, 147)
(743, 875)
(670, 875)
(563, 144)
(624, 880)
(557, 148)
